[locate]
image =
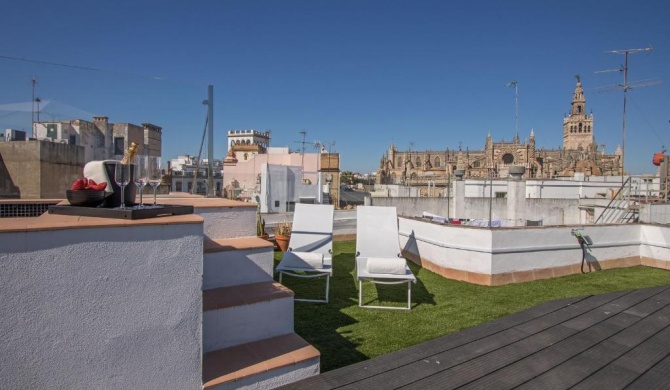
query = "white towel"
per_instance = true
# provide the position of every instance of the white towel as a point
(387, 265)
(302, 260)
(96, 170)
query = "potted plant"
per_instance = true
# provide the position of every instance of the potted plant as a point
(260, 222)
(283, 235)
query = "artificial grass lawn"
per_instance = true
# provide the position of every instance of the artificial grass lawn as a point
(345, 333)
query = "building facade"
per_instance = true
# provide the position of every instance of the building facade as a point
(101, 139)
(187, 174)
(579, 154)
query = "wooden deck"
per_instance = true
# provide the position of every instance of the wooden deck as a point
(610, 341)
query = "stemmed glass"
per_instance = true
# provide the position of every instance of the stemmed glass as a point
(154, 174)
(122, 177)
(141, 175)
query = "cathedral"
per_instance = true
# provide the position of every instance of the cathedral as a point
(579, 154)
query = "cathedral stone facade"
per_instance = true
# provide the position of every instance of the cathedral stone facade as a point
(579, 154)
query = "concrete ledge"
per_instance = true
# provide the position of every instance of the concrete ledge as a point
(243, 361)
(247, 294)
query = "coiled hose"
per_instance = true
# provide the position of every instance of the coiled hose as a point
(582, 243)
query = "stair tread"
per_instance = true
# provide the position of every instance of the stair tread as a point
(246, 294)
(232, 244)
(240, 361)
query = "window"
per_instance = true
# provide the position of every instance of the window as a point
(399, 162)
(119, 146)
(178, 186)
(508, 158)
(501, 195)
(51, 131)
(580, 127)
(246, 155)
(437, 162)
(579, 109)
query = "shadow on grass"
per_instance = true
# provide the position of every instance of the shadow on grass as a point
(329, 326)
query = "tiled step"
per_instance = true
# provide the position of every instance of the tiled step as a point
(262, 364)
(242, 314)
(236, 261)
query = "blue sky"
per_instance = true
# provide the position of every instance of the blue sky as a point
(360, 73)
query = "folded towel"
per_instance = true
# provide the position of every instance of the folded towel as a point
(302, 260)
(387, 265)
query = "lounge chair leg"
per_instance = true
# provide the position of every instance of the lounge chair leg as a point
(360, 293)
(409, 295)
(327, 286)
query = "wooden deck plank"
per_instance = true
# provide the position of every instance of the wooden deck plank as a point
(657, 377)
(386, 363)
(604, 341)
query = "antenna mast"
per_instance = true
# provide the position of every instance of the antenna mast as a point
(34, 84)
(625, 87)
(514, 84)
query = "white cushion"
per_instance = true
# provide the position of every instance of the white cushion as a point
(386, 265)
(302, 260)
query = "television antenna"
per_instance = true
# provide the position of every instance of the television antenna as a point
(625, 87)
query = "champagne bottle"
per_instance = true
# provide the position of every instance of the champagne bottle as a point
(129, 156)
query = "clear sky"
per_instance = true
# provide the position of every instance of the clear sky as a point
(360, 73)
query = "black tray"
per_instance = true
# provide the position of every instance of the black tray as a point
(148, 211)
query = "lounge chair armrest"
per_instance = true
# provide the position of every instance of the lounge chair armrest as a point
(358, 253)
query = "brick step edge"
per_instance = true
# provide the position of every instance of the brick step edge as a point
(245, 360)
(235, 244)
(245, 294)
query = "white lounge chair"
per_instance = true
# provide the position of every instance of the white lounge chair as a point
(378, 258)
(310, 253)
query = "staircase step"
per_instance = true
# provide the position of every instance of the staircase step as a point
(239, 314)
(236, 261)
(260, 364)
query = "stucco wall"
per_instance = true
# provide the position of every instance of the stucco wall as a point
(101, 308)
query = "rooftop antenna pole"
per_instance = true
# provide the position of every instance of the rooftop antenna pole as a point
(210, 140)
(515, 85)
(625, 87)
(34, 84)
(302, 155)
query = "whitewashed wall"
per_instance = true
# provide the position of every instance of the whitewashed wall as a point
(497, 251)
(101, 308)
(448, 246)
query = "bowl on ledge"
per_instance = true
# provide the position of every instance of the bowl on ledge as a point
(85, 198)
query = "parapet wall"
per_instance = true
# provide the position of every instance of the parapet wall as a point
(512, 255)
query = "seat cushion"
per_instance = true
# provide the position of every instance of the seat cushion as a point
(386, 265)
(302, 260)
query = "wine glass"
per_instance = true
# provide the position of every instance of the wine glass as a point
(141, 175)
(122, 177)
(154, 174)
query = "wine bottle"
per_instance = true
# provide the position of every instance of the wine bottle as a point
(129, 156)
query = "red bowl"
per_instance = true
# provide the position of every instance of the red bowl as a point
(85, 198)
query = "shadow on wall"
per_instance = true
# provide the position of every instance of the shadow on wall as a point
(7, 188)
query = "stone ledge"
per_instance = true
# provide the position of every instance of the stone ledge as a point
(241, 361)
